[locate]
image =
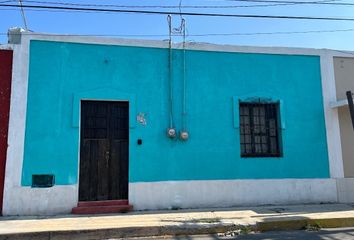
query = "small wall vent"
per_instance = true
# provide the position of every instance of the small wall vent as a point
(42, 180)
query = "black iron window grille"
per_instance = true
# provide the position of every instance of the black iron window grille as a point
(259, 129)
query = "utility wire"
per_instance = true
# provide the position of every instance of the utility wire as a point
(295, 2)
(150, 6)
(347, 52)
(23, 14)
(185, 6)
(193, 35)
(277, 3)
(178, 13)
(160, 6)
(273, 33)
(170, 74)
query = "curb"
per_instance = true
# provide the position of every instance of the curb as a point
(130, 232)
(303, 223)
(185, 229)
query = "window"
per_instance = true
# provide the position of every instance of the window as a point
(259, 129)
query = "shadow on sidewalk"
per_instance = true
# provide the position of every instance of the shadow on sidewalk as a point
(254, 211)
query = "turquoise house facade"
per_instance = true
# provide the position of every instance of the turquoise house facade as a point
(208, 89)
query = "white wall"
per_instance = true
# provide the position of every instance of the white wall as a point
(228, 193)
(331, 116)
(20, 200)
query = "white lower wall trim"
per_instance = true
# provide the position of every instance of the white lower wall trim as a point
(179, 194)
(228, 193)
(345, 187)
(41, 201)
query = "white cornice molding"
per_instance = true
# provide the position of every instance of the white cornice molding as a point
(189, 45)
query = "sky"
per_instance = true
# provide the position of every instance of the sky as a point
(144, 24)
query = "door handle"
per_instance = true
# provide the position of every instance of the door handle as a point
(107, 158)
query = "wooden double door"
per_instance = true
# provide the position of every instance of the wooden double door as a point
(104, 151)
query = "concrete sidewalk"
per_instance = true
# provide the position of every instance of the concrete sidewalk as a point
(179, 222)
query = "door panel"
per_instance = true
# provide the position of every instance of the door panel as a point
(104, 151)
(84, 184)
(103, 178)
(119, 163)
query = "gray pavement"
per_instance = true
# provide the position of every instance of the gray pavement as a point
(323, 234)
(181, 222)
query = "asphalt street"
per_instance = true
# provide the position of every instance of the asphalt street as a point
(323, 234)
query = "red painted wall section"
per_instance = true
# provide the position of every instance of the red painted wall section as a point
(5, 91)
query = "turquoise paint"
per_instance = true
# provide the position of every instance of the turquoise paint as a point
(61, 71)
(104, 94)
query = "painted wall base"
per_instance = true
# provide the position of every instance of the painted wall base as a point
(201, 194)
(345, 187)
(41, 201)
(180, 194)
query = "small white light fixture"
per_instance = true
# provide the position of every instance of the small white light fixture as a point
(183, 135)
(171, 132)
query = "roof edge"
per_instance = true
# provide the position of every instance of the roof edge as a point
(189, 45)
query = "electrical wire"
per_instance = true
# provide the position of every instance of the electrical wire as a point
(184, 101)
(273, 33)
(156, 6)
(192, 35)
(329, 2)
(23, 14)
(346, 52)
(169, 21)
(295, 2)
(183, 13)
